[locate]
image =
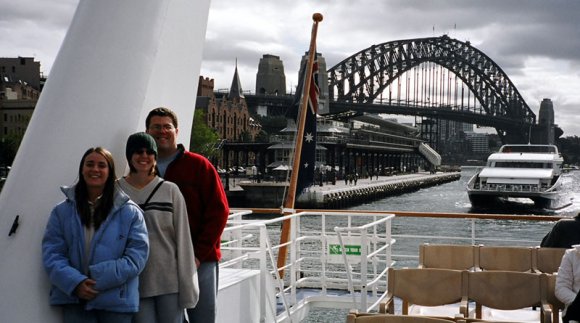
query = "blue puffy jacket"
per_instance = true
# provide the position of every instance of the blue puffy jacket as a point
(119, 251)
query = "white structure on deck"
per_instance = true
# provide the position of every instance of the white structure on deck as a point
(252, 291)
(119, 60)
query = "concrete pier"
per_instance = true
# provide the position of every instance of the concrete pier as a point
(341, 194)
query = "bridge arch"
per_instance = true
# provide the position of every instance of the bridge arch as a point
(362, 77)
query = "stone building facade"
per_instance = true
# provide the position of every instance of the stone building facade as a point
(24, 69)
(270, 78)
(20, 83)
(228, 115)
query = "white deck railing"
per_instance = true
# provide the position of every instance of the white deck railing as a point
(326, 252)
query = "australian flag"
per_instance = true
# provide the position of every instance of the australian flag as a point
(308, 154)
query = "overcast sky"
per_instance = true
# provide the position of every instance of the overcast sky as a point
(536, 42)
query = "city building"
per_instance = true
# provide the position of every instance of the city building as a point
(20, 84)
(323, 104)
(23, 69)
(346, 144)
(546, 120)
(364, 145)
(227, 114)
(479, 142)
(271, 78)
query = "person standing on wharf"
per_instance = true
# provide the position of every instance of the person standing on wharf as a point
(205, 198)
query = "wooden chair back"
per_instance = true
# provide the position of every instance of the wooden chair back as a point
(507, 290)
(505, 258)
(445, 256)
(388, 318)
(547, 260)
(424, 287)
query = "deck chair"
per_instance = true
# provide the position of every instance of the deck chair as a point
(547, 260)
(459, 257)
(555, 303)
(472, 320)
(427, 291)
(505, 258)
(508, 295)
(354, 317)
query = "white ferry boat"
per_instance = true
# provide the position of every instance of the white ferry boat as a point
(519, 171)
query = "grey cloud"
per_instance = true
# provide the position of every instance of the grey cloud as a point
(510, 32)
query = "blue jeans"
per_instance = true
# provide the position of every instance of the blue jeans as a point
(206, 308)
(160, 309)
(76, 313)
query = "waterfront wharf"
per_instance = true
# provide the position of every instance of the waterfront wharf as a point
(340, 194)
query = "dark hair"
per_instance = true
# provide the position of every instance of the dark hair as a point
(82, 196)
(161, 112)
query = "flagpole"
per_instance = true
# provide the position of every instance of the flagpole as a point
(291, 197)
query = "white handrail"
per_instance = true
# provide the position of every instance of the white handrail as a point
(257, 245)
(252, 244)
(362, 231)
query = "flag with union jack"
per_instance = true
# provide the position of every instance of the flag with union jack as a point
(308, 153)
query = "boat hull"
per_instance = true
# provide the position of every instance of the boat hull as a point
(549, 198)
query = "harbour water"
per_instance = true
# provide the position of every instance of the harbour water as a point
(452, 198)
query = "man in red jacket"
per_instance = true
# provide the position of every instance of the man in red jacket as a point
(207, 205)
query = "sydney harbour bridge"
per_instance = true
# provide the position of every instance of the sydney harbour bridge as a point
(432, 78)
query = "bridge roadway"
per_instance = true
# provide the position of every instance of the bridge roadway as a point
(443, 112)
(340, 194)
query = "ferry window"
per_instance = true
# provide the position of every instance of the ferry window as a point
(519, 165)
(527, 148)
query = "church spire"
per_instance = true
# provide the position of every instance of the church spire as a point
(236, 88)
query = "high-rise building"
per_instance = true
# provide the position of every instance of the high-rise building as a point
(466, 127)
(323, 105)
(270, 78)
(546, 120)
(479, 142)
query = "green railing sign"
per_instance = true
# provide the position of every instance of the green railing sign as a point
(351, 250)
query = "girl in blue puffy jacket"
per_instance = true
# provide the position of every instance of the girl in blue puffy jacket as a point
(95, 245)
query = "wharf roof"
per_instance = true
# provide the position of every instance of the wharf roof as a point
(375, 119)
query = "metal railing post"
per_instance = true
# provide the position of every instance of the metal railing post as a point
(263, 271)
(473, 231)
(293, 249)
(363, 271)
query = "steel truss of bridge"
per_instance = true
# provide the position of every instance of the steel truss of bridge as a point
(364, 82)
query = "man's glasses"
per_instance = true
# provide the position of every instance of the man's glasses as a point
(158, 127)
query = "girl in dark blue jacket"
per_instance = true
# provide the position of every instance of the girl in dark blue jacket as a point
(95, 245)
